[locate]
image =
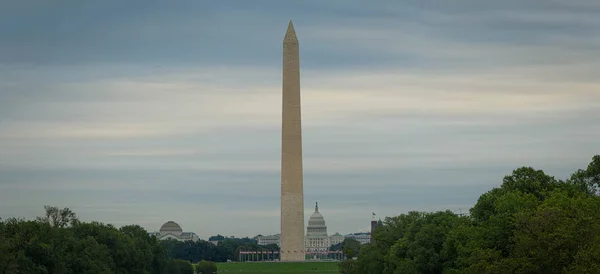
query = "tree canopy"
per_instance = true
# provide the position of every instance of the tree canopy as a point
(59, 243)
(531, 223)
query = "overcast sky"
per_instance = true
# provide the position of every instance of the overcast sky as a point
(148, 111)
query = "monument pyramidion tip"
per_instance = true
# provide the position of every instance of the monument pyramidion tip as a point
(290, 34)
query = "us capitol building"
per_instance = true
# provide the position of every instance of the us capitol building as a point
(316, 238)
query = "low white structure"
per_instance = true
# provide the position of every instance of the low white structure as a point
(336, 238)
(269, 239)
(172, 230)
(362, 237)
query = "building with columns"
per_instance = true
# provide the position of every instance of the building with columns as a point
(269, 239)
(361, 237)
(172, 230)
(316, 238)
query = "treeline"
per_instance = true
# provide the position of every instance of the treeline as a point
(227, 249)
(60, 243)
(532, 223)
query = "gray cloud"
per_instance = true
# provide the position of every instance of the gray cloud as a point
(143, 112)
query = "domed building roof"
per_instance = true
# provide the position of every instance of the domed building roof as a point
(316, 224)
(172, 228)
(316, 219)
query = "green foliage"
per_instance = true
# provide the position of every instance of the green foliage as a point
(562, 226)
(59, 217)
(177, 266)
(59, 243)
(371, 259)
(532, 223)
(227, 249)
(206, 267)
(419, 249)
(348, 266)
(588, 180)
(350, 247)
(587, 259)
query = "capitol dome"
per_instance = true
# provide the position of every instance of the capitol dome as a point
(316, 223)
(171, 228)
(316, 219)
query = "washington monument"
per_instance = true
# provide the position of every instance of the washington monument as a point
(292, 190)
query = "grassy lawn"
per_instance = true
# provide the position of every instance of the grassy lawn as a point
(279, 267)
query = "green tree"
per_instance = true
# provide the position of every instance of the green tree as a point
(59, 243)
(58, 217)
(531, 223)
(88, 256)
(588, 180)
(272, 247)
(206, 267)
(587, 259)
(226, 250)
(419, 250)
(524, 180)
(348, 267)
(177, 266)
(350, 247)
(370, 259)
(547, 238)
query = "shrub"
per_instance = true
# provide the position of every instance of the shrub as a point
(206, 267)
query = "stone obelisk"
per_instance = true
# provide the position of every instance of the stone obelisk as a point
(292, 190)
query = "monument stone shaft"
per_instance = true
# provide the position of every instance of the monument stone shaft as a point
(292, 192)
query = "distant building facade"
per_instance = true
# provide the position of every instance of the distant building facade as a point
(172, 230)
(361, 237)
(269, 239)
(374, 225)
(315, 239)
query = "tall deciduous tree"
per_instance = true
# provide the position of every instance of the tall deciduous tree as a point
(59, 217)
(531, 223)
(350, 247)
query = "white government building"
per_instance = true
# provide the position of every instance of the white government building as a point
(316, 238)
(361, 237)
(172, 230)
